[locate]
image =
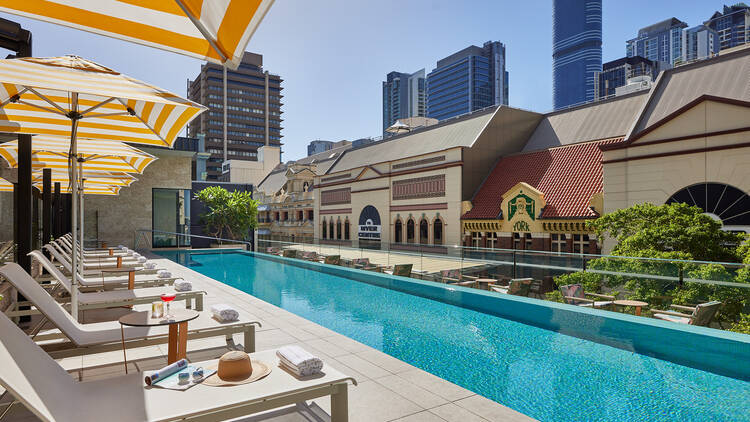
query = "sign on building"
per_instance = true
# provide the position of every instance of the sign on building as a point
(369, 223)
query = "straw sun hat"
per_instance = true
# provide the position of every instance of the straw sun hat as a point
(235, 368)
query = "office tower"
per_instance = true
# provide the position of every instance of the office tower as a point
(732, 25)
(699, 43)
(253, 111)
(576, 50)
(660, 42)
(403, 96)
(615, 74)
(317, 146)
(469, 80)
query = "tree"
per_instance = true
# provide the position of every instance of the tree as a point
(229, 214)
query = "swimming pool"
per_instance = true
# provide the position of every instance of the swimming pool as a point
(542, 373)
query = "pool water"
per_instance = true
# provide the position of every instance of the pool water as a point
(546, 375)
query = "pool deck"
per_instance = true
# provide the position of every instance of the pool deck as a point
(388, 390)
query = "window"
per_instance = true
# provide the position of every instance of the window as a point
(476, 239)
(437, 232)
(170, 212)
(325, 230)
(338, 229)
(276, 216)
(300, 215)
(286, 216)
(559, 242)
(398, 231)
(424, 232)
(580, 243)
(517, 241)
(410, 231)
(527, 241)
(310, 214)
(346, 229)
(492, 242)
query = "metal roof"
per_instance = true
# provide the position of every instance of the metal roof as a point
(458, 132)
(322, 160)
(590, 122)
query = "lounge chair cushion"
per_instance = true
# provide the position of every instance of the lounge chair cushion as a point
(671, 318)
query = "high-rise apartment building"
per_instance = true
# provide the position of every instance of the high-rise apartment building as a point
(732, 25)
(469, 80)
(253, 111)
(616, 73)
(660, 42)
(317, 146)
(403, 96)
(699, 43)
(576, 50)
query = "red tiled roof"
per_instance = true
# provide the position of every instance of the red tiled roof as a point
(568, 176)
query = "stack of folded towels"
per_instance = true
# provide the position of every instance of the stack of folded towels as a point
(149, 265)
(182, 285)
(163, 274)
(299, 361)
(224, 313)
(142, 260)
(136, 255)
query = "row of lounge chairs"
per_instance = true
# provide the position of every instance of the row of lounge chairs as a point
(38, 382)
(403, 270)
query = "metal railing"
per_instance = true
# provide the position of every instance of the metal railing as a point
(142, 240)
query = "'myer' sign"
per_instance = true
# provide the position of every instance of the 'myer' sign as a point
(369, 224)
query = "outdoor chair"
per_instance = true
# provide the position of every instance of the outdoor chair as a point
(515, 287)
(35, 380)
(115, 298)
(92, 265)
(93, 253)
(332, 260)
(364, 264)
(273, 250)
(699, 315)
(290, 253)
(403, 270)
(454, 276)
(573, 294)
(310, 256)
(107, 336)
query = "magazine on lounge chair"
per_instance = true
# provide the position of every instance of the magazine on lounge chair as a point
(169, 376)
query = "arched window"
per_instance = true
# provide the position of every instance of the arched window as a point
(330, 229)
(324, 235)
(424, 232)
(721, 202)
(338, 229)
(398, 231)
(410, 231)
(346, 229)
(437, 232)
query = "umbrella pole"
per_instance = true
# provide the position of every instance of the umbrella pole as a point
(80, 212)
(74, 116)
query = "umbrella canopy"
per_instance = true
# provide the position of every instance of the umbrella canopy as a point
(91, 189)
(97, 155)
(398, 127)
(217, 31)
(44, 95)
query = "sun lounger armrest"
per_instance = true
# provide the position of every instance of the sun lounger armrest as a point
(683, 308)
(579, 299)
(469, 277)
(608, 297)
(677, 314)
(450, 280)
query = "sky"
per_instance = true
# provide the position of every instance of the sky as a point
(334, 54)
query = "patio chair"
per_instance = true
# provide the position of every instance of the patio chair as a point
(88, 252)
(403, 270)
(107, 336)
(573, 294)
(515, 287)
(35, 380)
(115, 298)
(454, 276)
(102, 282)
(332, 260)
(310, 256)
(92, 265)
(699, 315)
(290, 253)
(273, 250)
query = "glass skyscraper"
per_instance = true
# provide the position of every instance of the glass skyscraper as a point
(403, 96)
(660, 42)
(732, 25)
(469, 80)
(576, 50)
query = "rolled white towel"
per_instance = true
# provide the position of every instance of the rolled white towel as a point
(299, 360)
(121, 247)
(130, 252)
(182, 285)
(142, 259)
(136, 255)
(224, 312)
(149, 265)
(163, 274)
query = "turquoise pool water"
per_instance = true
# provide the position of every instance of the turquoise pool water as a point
(541, 373)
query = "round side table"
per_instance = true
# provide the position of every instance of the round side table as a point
(178, 329)
(637, 304)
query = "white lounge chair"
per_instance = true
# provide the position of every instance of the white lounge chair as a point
(94, 253)
(99, 281)
(94, 264)
(107, 336)
(114, 298)
(51, 394)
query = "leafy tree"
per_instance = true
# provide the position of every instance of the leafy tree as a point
(229, 214)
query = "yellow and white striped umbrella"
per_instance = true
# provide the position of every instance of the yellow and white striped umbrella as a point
(213, 30)
(89, 189)
(52, 96)
(89, 177)
(98, 155)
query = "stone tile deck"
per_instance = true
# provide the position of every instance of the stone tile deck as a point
(388, 390)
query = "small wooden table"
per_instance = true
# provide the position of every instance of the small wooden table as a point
(130, 271)
(637, 304)
(178, 330)
(484, 283)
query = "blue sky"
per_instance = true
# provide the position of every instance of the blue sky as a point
(333, 54)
